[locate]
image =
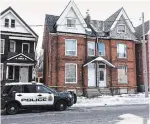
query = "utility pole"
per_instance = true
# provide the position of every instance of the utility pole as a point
(144, 59)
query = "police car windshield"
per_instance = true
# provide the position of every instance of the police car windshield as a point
(52, 90)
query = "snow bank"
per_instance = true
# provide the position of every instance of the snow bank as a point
(124, 99)
(131, 119)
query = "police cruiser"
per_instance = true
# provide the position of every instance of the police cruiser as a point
(16, 96)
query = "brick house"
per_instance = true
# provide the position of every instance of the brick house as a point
(138, 48)
(89, 56)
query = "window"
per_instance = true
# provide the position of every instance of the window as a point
(6, 89)
(71, 47)
(121, 28)
(29, 89)
(71, 22)
(42, 89)
(11, 71)
(12, 23)
(16, 88)
(70, 73)
(101, 49)
(91, 48)
(2, 46)
(122, 74)
(12, 46)
(25, 47)
(6, 22)
(1, 71)
(121, 51)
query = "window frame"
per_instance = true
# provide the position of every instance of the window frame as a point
(75, 70)
(5, 23)
(125, 67)
(70, 50)
(119, 52)
(28, 47)
(13, 23)
(91, 42)
(14, 46)
(121, 25)
(13, 72)
(3, 46)
(71, 24)
(2, 65)
(98, 48)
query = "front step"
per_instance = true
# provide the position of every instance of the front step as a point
(92, 92)
(105, 91)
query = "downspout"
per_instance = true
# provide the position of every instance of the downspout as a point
(112, 90)
(57, 62)
(96, 56)
(83, 84)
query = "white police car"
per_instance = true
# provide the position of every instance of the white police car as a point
(15, 96)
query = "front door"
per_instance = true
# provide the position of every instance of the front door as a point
(102, 76)
(23, 74)
(91, 75)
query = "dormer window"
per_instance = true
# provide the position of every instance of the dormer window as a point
(6, 22)
(121, 28)
(12, 23)
(71, 23)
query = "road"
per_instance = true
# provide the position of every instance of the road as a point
(90, 115)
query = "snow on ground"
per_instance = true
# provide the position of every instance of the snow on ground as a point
(132, 119)
(124, 99)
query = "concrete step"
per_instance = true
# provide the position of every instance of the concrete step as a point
(105, 91)
(92, 92)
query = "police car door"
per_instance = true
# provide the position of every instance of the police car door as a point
(45, 96)
(28, 96)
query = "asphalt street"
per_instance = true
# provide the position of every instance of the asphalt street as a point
(88, 115)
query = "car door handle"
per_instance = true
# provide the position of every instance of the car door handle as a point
(39, 95)
(19, 95)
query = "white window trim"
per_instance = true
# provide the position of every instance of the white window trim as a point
(126, 74)
(65, 73)
(28, 47)
(2, 65)
(126, 51)
(14, 45)
(13, 73)
(121, 25)
(71, 19)
(3, 46)
(70, 50)
(100, 51)
(91, 42)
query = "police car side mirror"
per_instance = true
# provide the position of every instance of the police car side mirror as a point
(49, 93)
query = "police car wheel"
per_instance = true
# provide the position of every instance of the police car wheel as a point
(61, 105)
(12, 108)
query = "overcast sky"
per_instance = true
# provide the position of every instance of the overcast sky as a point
(33, 11)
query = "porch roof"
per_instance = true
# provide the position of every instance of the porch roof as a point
(100, 59)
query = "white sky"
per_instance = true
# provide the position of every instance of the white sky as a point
(33, 11)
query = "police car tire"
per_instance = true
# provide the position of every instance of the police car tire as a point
(59, 106)
(9, 106)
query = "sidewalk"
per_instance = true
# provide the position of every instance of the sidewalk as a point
(124, 99)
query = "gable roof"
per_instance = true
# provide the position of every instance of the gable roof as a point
(20, 54)
(70, 5)
(11, 10)
(111, 22)
(139, 31)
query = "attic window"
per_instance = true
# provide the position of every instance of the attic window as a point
(6, 22)
(121, 28)
(71, 22)
(12, 23)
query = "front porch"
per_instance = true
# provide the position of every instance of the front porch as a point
(99, 74)
(19, 72)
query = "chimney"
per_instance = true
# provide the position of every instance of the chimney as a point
(88, 17)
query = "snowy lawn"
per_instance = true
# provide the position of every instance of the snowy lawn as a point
(124, 99)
